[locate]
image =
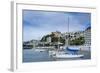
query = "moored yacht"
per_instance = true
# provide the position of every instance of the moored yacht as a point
(68, 55)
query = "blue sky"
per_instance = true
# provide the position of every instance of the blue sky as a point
(39, 23)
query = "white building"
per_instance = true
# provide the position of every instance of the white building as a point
(87, 35)
(73, 35)
(48, 39)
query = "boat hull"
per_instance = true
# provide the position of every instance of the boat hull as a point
(68, 56)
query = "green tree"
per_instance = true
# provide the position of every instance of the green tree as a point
(77, 41)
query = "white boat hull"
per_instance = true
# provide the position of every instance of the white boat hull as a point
(40, 50)
(67, 56)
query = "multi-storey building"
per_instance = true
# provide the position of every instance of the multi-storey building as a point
(87, 35)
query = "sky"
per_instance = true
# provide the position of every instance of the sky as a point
(36, 24)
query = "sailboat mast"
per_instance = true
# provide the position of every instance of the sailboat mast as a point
(68, 31)
(67, 35)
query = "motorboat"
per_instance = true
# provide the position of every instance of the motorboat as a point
(51, 53)
(39, 50)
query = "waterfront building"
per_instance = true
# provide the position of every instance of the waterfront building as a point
(87, 35)
(48, 39)
(73, 35)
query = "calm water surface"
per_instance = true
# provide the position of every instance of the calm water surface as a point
(29, 55)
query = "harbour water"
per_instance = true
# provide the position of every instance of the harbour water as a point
(29, 55)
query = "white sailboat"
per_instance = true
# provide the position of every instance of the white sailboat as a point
(64, 55)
